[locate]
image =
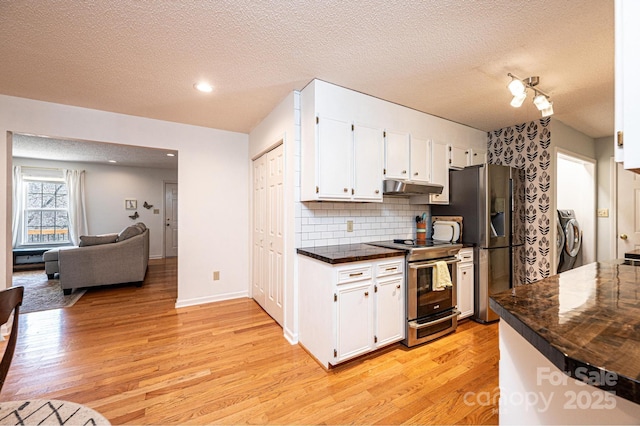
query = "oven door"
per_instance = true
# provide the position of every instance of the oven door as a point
(423, 299)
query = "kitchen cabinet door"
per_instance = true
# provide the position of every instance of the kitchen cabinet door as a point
(396, 146)
(476, 156)
(440, 171)
(334, 156)
(368, 154)
(627, 84)
(354, 320)
(420, 160)
(457, 157)
(390, 318)
(465, 289)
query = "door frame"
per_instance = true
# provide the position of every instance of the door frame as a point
(613, 225)
(164, 214)
(592, 229)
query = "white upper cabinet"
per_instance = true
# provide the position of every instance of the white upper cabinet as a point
(627, 84)
(340, 159)
(397, 152)
(440, 171)
(351, 142)
(457, 157)
(407, 157)
(420, 160)
(476, 156)
(368, 153)
(335, 158)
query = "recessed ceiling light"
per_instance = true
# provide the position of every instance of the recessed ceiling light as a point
(203, 87)
(112, 161)
(170, 154)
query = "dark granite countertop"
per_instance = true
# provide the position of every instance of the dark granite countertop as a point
(345, 253)
(587, 317)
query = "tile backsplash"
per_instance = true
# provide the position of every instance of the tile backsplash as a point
(325, 223)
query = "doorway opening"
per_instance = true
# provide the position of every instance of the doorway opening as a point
(171, 219)
(576, 192)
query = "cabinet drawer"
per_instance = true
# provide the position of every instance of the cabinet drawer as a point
(390, 268)
(352, 274)
(465, 255)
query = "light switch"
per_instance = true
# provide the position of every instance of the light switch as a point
(603, 212)
(156, 211)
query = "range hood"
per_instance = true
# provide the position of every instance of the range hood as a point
(400, 188)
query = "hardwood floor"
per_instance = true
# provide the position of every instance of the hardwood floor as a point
(128, 353)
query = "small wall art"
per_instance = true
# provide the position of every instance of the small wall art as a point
(130, 204)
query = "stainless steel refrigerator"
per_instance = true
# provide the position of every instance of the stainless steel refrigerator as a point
(490, 198)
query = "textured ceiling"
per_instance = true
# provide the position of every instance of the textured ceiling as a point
(448, 58)
(31, 146)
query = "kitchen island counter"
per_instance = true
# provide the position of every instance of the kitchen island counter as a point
(345, 253)
(585, 322)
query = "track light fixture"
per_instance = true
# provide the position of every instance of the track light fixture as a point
(518, 88)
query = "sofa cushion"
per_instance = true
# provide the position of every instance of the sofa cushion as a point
(94, 240)
(128, 232)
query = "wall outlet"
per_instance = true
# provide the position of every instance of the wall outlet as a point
(603, 212)
(349, 226)
(216, 275)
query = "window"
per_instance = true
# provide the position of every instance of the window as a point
(46, 215)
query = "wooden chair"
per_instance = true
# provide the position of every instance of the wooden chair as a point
(10, 301)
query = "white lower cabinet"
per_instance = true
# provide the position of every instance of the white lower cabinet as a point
(350, 309)
(354, 320)
(465, 283)
(390, 310)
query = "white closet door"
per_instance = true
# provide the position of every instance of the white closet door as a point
(259, 229)
(268, 238)
(275, 234)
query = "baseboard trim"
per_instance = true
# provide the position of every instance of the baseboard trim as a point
(291, 337)
(210, 299)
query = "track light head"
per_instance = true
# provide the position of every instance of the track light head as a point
(516, 87)
(517, 100)
(541, 102)
(548, 111)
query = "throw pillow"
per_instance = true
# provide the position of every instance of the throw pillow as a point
(141, 226)
(95, 240)
(128, 232)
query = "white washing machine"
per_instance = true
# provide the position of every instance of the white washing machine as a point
(572, 239)
(559, 241)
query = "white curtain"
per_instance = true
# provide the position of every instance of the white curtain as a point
(77, 210)
(18, 204)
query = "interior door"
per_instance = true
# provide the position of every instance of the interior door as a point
(268, 233)
(275, 235)
(628, 211)
(171, 219)
(259, 229)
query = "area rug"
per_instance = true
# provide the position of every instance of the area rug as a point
(42, 294)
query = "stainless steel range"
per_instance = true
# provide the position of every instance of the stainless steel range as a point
(431, 311)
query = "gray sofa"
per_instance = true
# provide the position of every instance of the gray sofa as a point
(102, 259)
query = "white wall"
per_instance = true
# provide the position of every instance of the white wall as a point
(107, 186)
(565, 137)
(606, 233)
(281, 125)
(212, 171)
